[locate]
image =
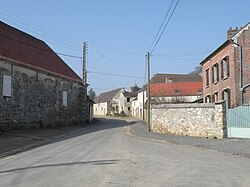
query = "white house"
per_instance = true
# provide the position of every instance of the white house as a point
(138, 104)
(114, 102)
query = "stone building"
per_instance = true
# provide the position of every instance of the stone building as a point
(226, 71)
(107, 103)
(114, 102)
(37, 88)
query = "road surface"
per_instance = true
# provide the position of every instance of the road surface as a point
(106, 155)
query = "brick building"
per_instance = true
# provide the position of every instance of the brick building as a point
(37, 88)
(226, 71)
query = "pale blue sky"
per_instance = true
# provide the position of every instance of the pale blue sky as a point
(197, 28)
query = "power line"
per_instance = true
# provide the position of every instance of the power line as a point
(183, 54)
(115, 75)
(100, 80)
(165, 27)
(52, 37)
(172, 58)
(72, 56)
(161, 25)
(117, 50)
(36, 27)
(48, 38)
(24, 43)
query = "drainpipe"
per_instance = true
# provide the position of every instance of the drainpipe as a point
(241, 71)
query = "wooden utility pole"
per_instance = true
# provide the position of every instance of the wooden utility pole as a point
(84, 81)
(149, 98)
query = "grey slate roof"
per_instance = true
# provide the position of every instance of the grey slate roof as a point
(130, 94)
(161, 78)
(107, 96)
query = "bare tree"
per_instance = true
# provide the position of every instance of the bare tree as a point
(196, 71)
(92, 94)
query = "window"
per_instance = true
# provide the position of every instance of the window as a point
(215, 73)
(225, 68)
(226, 96)
(208, 99)
(6, 86)
(214, 97)
(65, 98)
(199, 92)
(128, 99)
(207, 77)
(129, 108)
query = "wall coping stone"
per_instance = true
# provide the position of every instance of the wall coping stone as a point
(186, 105)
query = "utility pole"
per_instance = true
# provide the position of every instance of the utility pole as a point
(149, 97)
(84, 81)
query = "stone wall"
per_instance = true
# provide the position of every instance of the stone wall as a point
(37, 98)
(200, 120)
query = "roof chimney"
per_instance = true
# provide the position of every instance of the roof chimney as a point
(231, 32)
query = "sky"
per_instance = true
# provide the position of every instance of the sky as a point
(119, 33)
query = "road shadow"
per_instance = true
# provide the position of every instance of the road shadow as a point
(33, 139)
(94, 162)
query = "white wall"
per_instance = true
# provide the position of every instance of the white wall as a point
(137, 106)
(101, 109)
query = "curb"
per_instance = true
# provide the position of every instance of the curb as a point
(130, 132)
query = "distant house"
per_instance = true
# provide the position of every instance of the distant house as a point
(226, 71)
(114, 102)
(138, 104)
(107, 103)
(37, 87)
(167, 88)
(175, 88)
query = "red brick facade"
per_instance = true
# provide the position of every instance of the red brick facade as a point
(221, 70)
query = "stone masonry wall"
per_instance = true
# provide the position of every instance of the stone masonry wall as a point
(37, 99)
(199, 120)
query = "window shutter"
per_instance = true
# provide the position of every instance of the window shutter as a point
(217, 71)
(213, 74)
(7, 85)
(222, 70)
(228, 71)
(65, 98)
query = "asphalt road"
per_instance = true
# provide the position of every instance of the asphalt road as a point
(106, 155)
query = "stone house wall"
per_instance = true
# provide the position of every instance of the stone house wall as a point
(199, 120)
(37, 98)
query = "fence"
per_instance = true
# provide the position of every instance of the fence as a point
(238, 122)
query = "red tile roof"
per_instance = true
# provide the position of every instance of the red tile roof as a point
(175, 89)
(25, 49)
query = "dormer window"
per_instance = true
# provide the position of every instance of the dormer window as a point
(177, 92)
(168, 80)
(199, 91)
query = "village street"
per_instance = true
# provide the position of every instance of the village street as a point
(105, 154)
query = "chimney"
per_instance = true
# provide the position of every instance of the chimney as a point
(231, 32)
